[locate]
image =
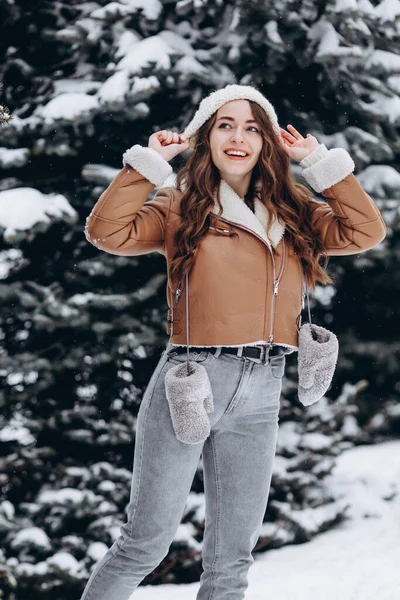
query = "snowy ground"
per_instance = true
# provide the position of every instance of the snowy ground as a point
(358, 560)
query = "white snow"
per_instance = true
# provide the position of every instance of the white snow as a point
(357, 560)
(7, 509)
(329, 42)
(388, 10)
(272, 31)
(324, 294)
(86, 392)
(388, 62)
(96, 551)
(69, 86)
(32, 535)
(114, 89)
(150, 8)
(185, 533)
(40, 569)
(13, 157)
(124, 41)
(366, 8)
(144, 85)
(152, 52)
(67, 496)
(67, 107)
(106, 486)
(64, 562)
(188, 66)
(342, 5)
(9, 260)
(289, 437)
(315, 441)
(380, 181)
(119, 87)
(22, 208)
(393, 83)
(382, 106)
(15, 430)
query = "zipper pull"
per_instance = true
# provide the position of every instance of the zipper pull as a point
(276, 284)
(178, 293)
(303, 295)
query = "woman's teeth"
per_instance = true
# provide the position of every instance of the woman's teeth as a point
(235, 156)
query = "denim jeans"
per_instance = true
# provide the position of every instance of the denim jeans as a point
(237, 458)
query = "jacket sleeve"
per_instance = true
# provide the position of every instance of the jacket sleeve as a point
(122, 222)
(350, 222)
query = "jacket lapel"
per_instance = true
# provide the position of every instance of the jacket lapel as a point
(236, 210)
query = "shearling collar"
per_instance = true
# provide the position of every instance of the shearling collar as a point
(235, 209)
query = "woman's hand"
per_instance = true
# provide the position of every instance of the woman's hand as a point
(168, 143)
(295, 145)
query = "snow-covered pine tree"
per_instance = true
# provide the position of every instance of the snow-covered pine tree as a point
(81, 331)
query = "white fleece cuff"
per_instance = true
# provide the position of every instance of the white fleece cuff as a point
(332, 168)
(148, 163)
(319, 152)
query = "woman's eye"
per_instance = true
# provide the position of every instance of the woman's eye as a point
(251, 127)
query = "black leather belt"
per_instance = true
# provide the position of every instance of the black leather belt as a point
(250, 351)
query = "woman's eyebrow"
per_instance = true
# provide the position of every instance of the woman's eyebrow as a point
(232, 119)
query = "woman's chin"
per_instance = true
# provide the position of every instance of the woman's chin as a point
(234, 171)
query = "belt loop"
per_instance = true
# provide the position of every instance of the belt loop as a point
(240, 351)
(218, 351)
(266, 355)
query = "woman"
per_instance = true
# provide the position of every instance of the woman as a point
(244, 229)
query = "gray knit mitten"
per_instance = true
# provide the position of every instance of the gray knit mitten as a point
(190, 398)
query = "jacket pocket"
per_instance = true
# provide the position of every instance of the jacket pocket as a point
(277, 365)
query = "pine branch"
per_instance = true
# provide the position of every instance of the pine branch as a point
(5, 116)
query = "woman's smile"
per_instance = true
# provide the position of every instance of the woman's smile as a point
(236, 154)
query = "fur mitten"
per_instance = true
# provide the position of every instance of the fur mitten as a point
(190, 399)
(317, 357)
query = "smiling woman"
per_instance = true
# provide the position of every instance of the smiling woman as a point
(245, 301)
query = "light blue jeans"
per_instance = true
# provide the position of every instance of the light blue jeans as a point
(237, 459)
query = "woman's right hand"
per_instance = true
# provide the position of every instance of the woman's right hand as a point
(168, 143)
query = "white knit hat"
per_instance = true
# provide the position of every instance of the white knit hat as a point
(211, 103)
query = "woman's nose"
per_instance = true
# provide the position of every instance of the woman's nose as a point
(237, 135)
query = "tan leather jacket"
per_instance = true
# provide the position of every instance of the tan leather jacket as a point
(232, 296)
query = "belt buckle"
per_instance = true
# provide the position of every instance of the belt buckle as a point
(262, 352)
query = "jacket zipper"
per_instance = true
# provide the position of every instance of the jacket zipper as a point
(276, 279)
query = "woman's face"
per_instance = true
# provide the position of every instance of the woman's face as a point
(235, 129)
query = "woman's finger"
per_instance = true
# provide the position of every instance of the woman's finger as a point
(296, 133)
(166, 137)
(161, 135)
(288, 136)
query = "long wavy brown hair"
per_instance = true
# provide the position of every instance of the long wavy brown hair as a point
(278, 190)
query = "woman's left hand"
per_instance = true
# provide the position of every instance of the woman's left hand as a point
(297, 146)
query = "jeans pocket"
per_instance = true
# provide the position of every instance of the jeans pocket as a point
(196, 356)
(277, 365)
